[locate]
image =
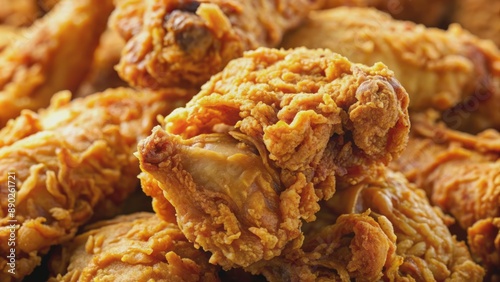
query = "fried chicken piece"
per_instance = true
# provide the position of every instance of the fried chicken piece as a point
(137, 247)
(354, 247)
(484, 242)
(428, 12)
(183, 43)
(254, 151)
(480, 17)
(452, 71)
(69, 160)
(460, 172)
(429, 251)
(8, 34)
(18, 13)
(22, 13)
(52, 55)
(376, 227)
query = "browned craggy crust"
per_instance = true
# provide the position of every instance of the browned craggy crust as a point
(52, 55)
(376, 227)
(183, 43)
(71, 161)
(461, 174)
(480, 17)
(451, 71)
(254, 151)
(136, 247)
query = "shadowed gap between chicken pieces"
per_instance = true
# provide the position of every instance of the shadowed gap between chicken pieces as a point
(183, 43)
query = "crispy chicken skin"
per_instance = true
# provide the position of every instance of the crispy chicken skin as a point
(461, 174)
(52, 55)
(69, 160)
(23, 12)
(480, 17)
(484, 242)
(452, 71)
(136, 247)
(376, 227)
(254, 151)
(352, 247)
(429, 251)
(183, 43)
(428, 12)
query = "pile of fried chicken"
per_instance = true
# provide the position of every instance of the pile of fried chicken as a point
(235, 140)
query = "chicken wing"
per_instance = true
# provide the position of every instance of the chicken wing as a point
(451, 71)
(254, 151)
(136, 247)
(64, 163)
(52, 55)
(183, 43)
(382, 228)
(460, 173)
(428, 12)
(481, 17)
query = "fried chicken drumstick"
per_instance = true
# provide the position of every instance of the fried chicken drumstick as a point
(461, 174)
(254, 151)
(451, 71)
(52, 55)
(69, 160)
(136, 247)
(376, 227)
(183, 43)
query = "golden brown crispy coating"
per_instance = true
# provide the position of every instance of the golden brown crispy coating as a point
(451, 71)
(484, 242)
(376, 227)
(352, 247)
(423, 239)
(18, 13)
(254, 151)
(460, 173)
(9, 34)
(481, 17)
(294, 101)
(136, 247)
(69, 160)
(428, 12)
(24, 12)
(183, 43)
(52, 55)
